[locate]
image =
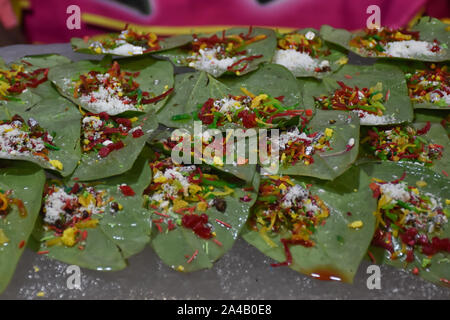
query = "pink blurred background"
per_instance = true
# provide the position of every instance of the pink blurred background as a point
(44, 21)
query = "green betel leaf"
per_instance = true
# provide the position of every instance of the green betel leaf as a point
(112, 44)
(255, 53)
(203, 220)
(150, 80)
(384, 80)
(434, 116)
(327, 162)
(190, 90)
(272, 86)
(423, 260)
(35, 87)
(315, 59)
(429, 29)
(111, 234)
(336, 243)
(273, 79)
(434, 81)
(162, 141)
(43, 61)
(426, 144)
(58, 118)
(25, 181)
(93, 166)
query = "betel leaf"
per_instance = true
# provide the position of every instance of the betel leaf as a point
(435, 135)
(245, 172)
(429, 28)
(61, 120)
(82, 46)
(331, 163)
(272, 79)
(398, 105)
(436, 105)
(31, 96)
(44, 90)
(416, 69)
(335, 56)
(155, 77)
(94, 167)
(338, 249)
(44, 61)
(26, 181)
(176, 247)
(434, 116)
(190, 90)
(438, 270)
(265, 47)
(118, 235)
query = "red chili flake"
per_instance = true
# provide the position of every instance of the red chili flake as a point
(127, 191)
(388, 94)
(204, 114)
(223, 223)
(103, 152)
(370, 254)
(84, 235)
(410, 256)
(111, 130)
(193, 256)
(445, 173)
(137, 133)
(116, 146)
(348, 76)
(349, 213)
(159, 227)
(425, 129)
(415, 271)
(376, 192)
(250, 58)
(80, 247)
(75, 189)
(21, 244)
(245, 198)
(217, 242)
(103, 115)
(248, 118)
(446, 281)
(309, 112)
(400, 179)
(43, 252)
(170, 225)
(349, 147)
(280, 98)
(286, 243)
(198, 224)
(124, 121)
(157, 98)
(161, 214)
